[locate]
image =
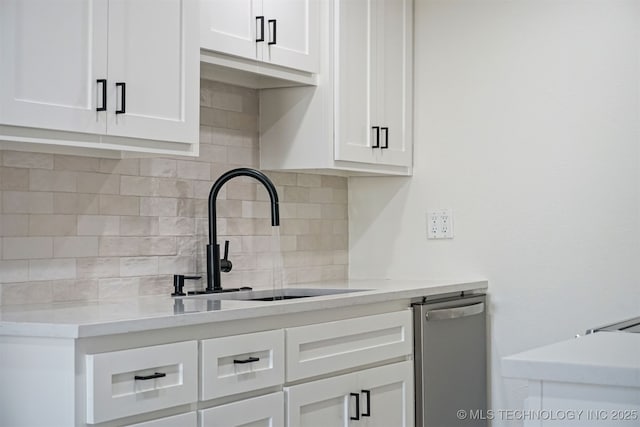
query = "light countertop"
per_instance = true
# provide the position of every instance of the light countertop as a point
(604, 358)
(87, 319)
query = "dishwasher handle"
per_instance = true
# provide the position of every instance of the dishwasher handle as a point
(455, 312)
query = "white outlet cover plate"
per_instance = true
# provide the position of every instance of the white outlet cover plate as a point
(440, 224)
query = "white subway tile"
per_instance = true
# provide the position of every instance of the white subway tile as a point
(14, 179)
(74, 290)
(158, 167)
(46, 180)
(119, 205)
(138, 266)
(98, 225)
(122, 167)
(27, 247)
(27, 202)
(52, 225)
(176, 226)
(75, 247)
(118, 288)
(194, 170)
(98, 183)
(97, 267)
(14, 271)
(25, 159)
(76, 163)
(138, 226)
(309, 180)
(14, 225)
(158, 206)
(26, 293)
(52, 269)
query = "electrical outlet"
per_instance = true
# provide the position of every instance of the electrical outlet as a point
(440, 224)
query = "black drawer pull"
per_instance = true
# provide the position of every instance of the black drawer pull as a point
(376, 129)
(247, 360)
(386, 138)
(103, 107)
(260, 19)
(150, 377)
(123, 96)
(368, 412)
(357, 396)
(272, 30)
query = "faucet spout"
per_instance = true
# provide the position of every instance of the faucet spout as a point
(214, 283)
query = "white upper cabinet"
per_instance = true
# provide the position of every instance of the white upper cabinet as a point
(359, 117)
(374, 81)
(279, 32)
(113, 72)
(153, 70)
(48, 66)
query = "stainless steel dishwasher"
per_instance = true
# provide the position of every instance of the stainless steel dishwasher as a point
(451, 362)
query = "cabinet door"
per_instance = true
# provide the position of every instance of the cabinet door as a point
(292, 31)
(51, 54)
(263, 411)
(184, 420)
(354, 85)
(232, 26)
(154, 51)
(386, 396)
(322, 403)
(393, 85)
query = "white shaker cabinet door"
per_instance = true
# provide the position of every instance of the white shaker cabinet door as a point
(355, 83)
(51, 55)
(262, 411)
(393, 71)
(386, 396)
(322, 403)
(153, 69)
(292, 34)
(233, 27)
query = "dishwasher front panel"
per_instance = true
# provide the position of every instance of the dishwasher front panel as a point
(451, 362)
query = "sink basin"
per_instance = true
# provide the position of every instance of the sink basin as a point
(278, 295)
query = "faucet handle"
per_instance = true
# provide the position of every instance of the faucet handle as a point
(225, 264)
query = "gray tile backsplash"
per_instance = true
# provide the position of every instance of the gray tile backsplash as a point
(80, 228)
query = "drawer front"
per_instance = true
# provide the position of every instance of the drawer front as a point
(182, 420)
(333, 346)
(263, 411)
(240, 363)
(129, 382)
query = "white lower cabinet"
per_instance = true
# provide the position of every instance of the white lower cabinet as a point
(183, 420)
(263, 411)
(380, 396)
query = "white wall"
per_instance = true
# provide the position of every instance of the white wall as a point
(527, 125)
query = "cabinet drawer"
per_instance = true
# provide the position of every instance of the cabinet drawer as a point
(182, 420)
(263, 411)
(128, 382)
(241, 363)
(327, 347)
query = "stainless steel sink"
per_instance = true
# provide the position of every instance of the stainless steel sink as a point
(276, 295)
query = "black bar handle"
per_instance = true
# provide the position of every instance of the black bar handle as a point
(368, 394)
(225, 264)
(123, 97)
(377, 138)
(357, 396)
(273, 33)
(103, 107)
(261, 20)
(150, 377)
(247, 360)
(386, 138)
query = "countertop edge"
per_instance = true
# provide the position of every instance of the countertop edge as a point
(75, 331)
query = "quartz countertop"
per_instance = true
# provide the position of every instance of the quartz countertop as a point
(604, 358)
(96, 318)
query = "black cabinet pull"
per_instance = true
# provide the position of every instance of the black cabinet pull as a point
(368, 394)
(150, 377)
(123, 96)
(272, 31)
(377, 137)
(357, 396)
(247, 360)
(103, 107)
(386, 138)
(260, 19)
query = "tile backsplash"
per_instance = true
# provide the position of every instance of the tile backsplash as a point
(82, 228)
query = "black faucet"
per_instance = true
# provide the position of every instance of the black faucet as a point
(214, 264)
